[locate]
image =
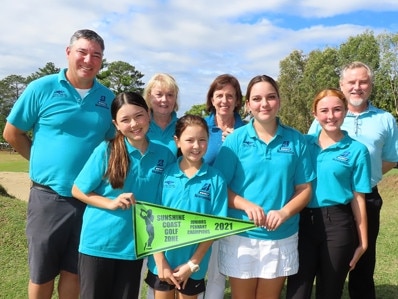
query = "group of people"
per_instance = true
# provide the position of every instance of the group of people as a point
(313, 198)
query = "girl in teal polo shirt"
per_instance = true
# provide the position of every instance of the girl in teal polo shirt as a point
(268, 172)
(191, 185)
(118, 172)
(333, 227)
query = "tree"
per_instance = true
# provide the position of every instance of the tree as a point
(302, 76)
(11, 88)
(320, 72)
(386, 77)
(363, 47)
(120, 76)
(290, 88)
(48, 69)
(199, 110)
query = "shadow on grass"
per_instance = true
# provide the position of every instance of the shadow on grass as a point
(3, 192)
(387, 291)
(382, 291)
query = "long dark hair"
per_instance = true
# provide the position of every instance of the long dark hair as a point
(119, 160)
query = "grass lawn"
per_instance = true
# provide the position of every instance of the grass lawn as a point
(13, 249)
(13, 162)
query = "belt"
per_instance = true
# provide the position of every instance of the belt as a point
(42, 187)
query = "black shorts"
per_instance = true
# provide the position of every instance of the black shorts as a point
(53, 233)
(104, 278)
(192, 288)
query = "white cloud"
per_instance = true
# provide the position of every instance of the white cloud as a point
(192, 40)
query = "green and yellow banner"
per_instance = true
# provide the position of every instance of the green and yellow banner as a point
(158, 228)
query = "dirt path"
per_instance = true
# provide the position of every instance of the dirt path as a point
(16, 184)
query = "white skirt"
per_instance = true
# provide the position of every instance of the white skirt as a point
(245, 258)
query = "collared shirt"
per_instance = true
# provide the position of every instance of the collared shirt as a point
(215, 136)
(375, 128)
(164, 136)
(107, 233)
(206, 193)
(66, 127)
(265, 174)
(341, 168)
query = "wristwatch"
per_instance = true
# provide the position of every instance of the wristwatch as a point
(194, 267)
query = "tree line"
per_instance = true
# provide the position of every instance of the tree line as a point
(119, 76)
(301, 76)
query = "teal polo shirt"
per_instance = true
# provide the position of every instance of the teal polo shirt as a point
(206, 193)
(215, 136)
(375, 128)
(107, 233)
(164, 136)
(341, 168)
(66, 128)
(265, 174)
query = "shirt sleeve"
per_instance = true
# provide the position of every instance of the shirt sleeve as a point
(92, 174)
(390, 148)
(314, 128)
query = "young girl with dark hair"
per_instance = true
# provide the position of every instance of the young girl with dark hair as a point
(118, 172)
(191, 185)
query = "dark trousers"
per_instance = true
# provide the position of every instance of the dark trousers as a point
(361, 284)
(104, 278)
(327, 241)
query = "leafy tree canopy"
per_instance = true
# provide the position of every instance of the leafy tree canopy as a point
(121, 76)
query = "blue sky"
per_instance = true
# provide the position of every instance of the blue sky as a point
(192, 40)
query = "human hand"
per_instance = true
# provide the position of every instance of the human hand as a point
(274, 219)
(166, 274)
(123, 201)
(255, 213)
(182, 274)
(357, 255)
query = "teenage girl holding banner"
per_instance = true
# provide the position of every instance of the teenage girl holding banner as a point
(268, 171)
(120, 171)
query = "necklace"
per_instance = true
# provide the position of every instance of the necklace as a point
(225, 125)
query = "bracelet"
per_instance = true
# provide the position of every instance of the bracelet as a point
(194, 267)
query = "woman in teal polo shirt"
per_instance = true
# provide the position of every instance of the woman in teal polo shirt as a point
(161, 96)
(333, 227)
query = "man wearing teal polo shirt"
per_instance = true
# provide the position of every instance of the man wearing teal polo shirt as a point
(69, 115)
(377, 129)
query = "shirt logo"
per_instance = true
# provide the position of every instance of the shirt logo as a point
(159, 168)
(59, 94)
(204, 192)
(285, 147)
(343, 158)
(248, 143)
(102, 103)
(169, 184)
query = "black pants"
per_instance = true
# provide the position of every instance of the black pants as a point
(104, 278)
(327, 241)
(361, 284)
